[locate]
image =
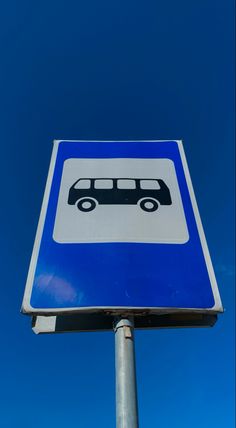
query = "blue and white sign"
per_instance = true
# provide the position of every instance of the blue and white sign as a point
(120, 229)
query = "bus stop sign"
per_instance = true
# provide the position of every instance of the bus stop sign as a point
(120, 232)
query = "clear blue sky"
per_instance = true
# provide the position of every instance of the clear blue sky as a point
(115, 70)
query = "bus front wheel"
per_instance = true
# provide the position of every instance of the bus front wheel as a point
(149, 205)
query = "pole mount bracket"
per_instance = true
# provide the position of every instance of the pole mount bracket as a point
(127, 323)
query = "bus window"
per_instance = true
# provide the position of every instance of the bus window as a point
(126, 184)
(83, 184)
(149, 184)
(103, 184)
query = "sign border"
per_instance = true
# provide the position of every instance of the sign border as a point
(28, 309)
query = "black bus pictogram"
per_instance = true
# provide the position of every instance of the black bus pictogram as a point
(87, 193)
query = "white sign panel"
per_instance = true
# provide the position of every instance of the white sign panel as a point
(112, 220)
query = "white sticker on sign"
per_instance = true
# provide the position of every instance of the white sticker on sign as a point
(120, 200)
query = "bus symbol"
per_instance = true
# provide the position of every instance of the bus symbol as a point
(87, 193)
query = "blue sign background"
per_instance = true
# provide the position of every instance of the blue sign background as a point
(120, 274)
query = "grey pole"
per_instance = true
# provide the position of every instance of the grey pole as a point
(126, 391)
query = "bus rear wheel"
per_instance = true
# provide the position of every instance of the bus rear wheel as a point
(86, 205)
(149, 205)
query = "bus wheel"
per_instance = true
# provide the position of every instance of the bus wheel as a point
(86, 204)
(149, 205)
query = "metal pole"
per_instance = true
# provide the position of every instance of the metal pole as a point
(126, 391)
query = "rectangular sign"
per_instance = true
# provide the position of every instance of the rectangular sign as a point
(120, 230)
